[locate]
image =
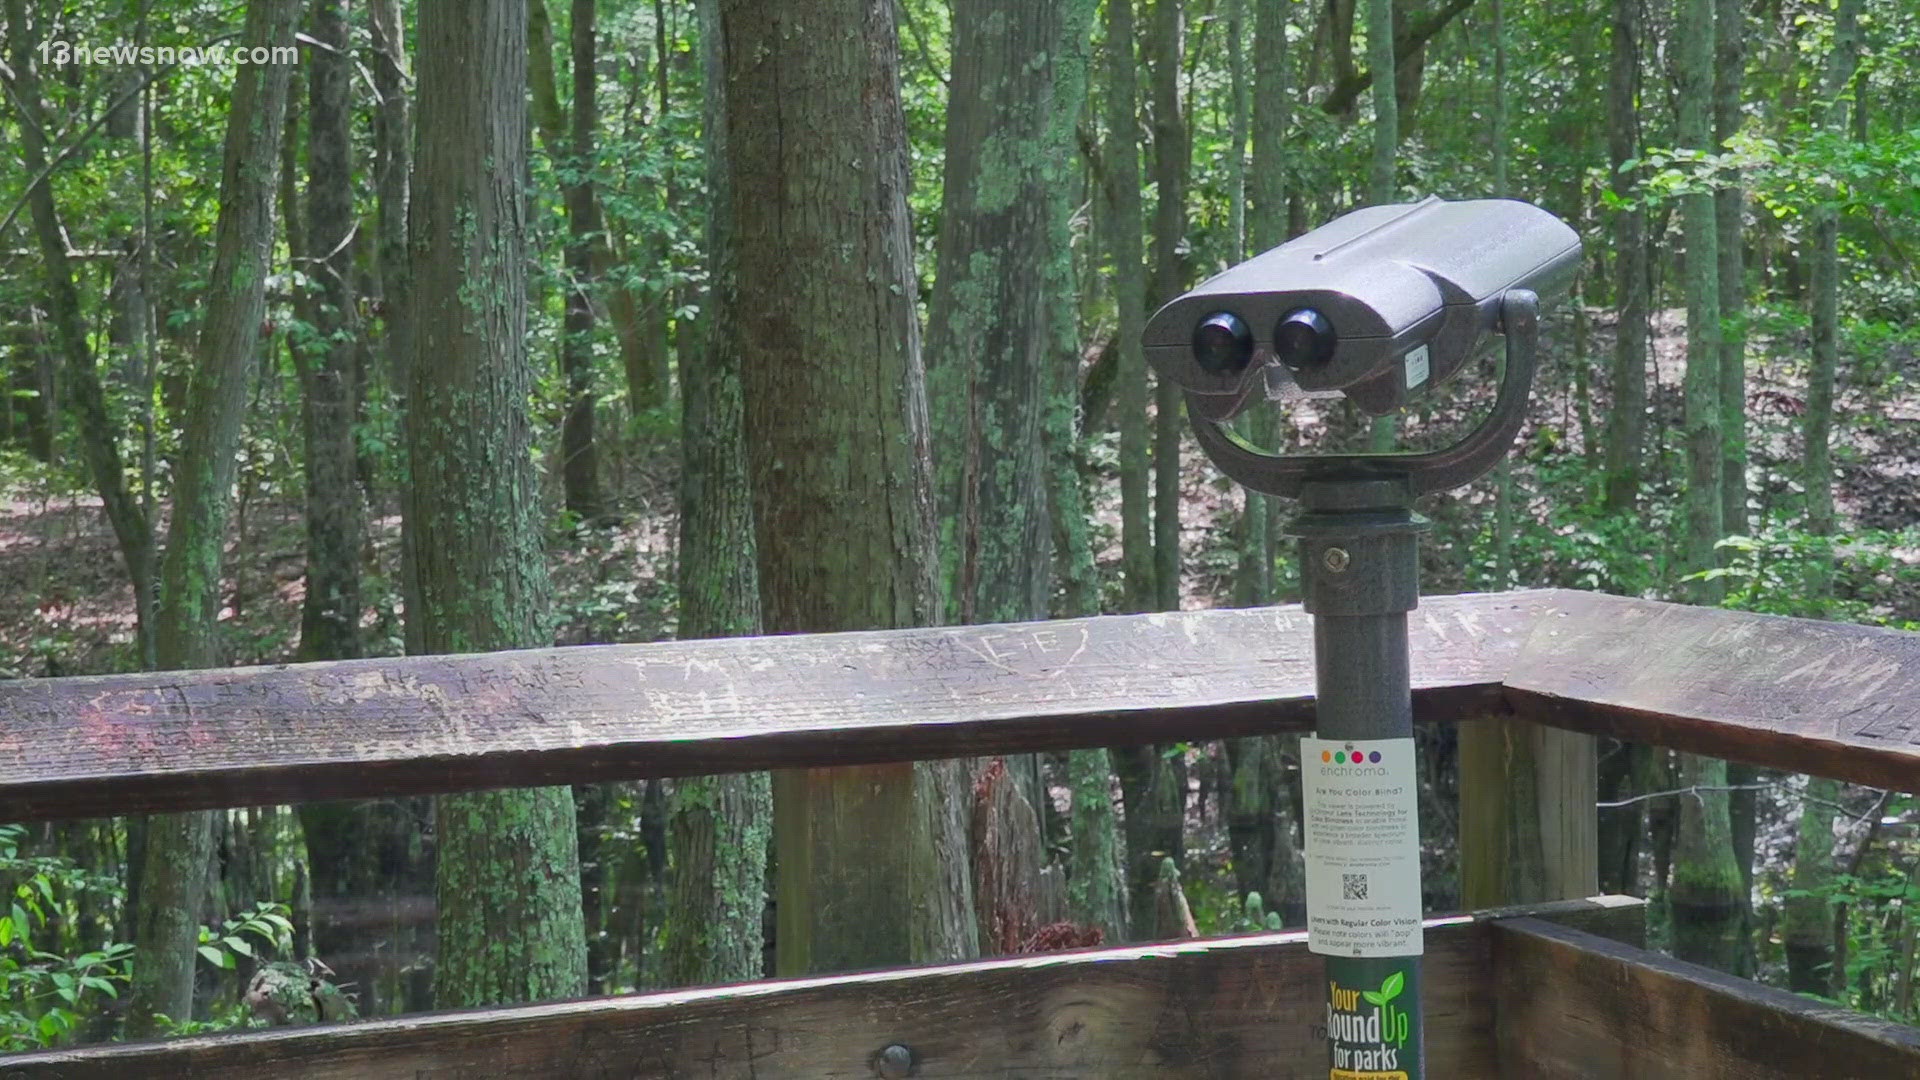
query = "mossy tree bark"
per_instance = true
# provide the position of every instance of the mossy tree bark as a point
(1166, 50)
(1706, 894)
(1729, 208)
(580, 457)
(330, 612)
(1077, 588)
(994, 332)
(1150, 552)
(1809, 931)
(1622, 828)
(1627, 421)
(392, 170)
(1267, 125)
(1121, 160)
(379, 849)
(718, 826)
(1018, 75)
(872, 866)
(180, 846)
(1096, 878)
(508, 879)
(1704, 423)
(1153, 790)
(1825, 288)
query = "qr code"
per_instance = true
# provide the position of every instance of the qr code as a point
(1353, 886)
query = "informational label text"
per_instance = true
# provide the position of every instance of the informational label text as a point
(1363, 847)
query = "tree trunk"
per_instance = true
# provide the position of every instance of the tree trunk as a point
(1808, 931)
(330, 613)
(990, 347)
(567, 139)
(1078, 585)
(1253, 568)
(1818, 430)
(580, 458)
(1627, 420)
(872, 866)
(1149, 792)
(991, 335)
(1259, 832)
(1096, 881)
(1382, 184)
(639, 312)
(1503, 496)
(1239, 106)
(1705, 897)
(1730, 58)
(508, 879)
(1267, 226)
(180, 846)
(1121, 158)
(1622, 828)
(1153, 790)
(369, 862)
(719, 826)
(1693, 33)
(392, 170)
(1166, 48)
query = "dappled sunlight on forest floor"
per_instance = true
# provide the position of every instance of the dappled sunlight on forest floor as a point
(65, 607)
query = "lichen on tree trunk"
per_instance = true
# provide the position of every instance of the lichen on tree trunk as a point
(508, 879)
(718, 826)
(179, 847)
(837, 456)
(330, 611)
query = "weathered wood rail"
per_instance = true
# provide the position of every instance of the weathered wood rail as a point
(1843, 701)
(1510, 996)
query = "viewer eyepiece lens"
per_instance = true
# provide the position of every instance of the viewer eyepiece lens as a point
(1303, 338)
(1222, 344)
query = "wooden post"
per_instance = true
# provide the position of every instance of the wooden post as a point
(1529, 831)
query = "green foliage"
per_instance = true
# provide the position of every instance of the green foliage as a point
(1773, 571)
(45, 994)
(1218, 910)
(266, 924)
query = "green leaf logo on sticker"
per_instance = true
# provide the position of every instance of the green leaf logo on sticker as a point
(1389, 989)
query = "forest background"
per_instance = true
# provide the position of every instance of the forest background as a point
(886, 373)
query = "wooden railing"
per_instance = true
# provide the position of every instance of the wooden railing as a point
(1563, 992)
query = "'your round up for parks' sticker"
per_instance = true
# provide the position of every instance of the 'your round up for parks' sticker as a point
(1363, 847)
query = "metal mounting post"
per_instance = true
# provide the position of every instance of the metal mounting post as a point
(1359, 563)
(1359, 568)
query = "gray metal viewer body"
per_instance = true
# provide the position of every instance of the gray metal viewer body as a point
(1381, 305)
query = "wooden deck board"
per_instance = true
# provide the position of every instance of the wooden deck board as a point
(1573, 1006)
(1222, 1009)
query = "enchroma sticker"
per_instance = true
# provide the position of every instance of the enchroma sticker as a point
(1363, 847)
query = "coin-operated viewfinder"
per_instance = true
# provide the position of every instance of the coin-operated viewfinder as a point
(1381, 304)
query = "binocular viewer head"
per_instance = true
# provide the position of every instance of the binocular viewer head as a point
(1381, 304)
